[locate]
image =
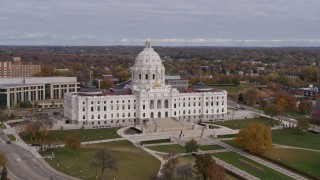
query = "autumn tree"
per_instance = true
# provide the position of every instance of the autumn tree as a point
(38, 129)
(207, 168)
(72, 142)
(287, 101)
(191, 146)
(215, 172)
(305, 106)
(255, 137)
(303, 124)
(251, 96)
(2, 159)
(184, 172)
(106, 84)
(169, 166)
(3, 117)
(273, 109)
(104, 160)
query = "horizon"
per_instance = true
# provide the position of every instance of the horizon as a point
(244, 23)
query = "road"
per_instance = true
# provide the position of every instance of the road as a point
(23, 165)
(261, 112)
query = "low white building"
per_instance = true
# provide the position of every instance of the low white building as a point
(147, 97)
(47, 90)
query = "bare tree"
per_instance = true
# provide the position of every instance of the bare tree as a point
(38, 129)
(184, 172)
(103, 159)
(169, 166)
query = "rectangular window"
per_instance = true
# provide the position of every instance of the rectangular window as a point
(146, 76)
(139, 76)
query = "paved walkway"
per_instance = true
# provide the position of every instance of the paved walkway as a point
(293, 147)
(235, 170)
(261, 161)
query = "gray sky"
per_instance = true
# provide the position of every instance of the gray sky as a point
(166, 22)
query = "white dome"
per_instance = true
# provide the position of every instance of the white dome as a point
(148, 56)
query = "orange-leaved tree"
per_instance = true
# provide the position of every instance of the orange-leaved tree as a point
(255, 137)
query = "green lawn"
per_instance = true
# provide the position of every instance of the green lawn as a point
(233, 89)
(227, 136)
(11, 137)
(84, 135)
(240, 124)
(187, 159)
(306, 161)
(293, 137)
(133, 163)
(2, 126)
(210, 147)
(267, 173)
(157, 141)
(167, 148)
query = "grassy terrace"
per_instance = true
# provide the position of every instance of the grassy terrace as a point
(303, 160)
(210, 147)
(83, 134)
(133, 163)
(11, 137)
(233, 89)
(266, 173)
(156, 141)
(240, 124)
(2, 126)
(293, 137)
(167, 148)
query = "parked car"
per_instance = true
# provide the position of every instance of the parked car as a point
(8, 142)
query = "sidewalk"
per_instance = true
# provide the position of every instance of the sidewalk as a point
(261, 161)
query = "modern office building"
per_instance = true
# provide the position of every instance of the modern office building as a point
(146, 98)
(17, 69)
(35, 89)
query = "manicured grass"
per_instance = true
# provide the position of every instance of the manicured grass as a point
(210, 147)
(293, 137)
(227, 136)
(233, 89)
(83, 134)
(240, 124)
(132, 162)
(157, 141)
(11, 137)
(168, 148)
(303, 160)
(187, 159)
(2, 126)
(267, 173)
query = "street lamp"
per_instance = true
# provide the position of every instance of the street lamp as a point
(80, 174)
(68, 170)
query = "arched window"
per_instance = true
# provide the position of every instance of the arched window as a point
(159, 104)
(166, 104)
(151, 104)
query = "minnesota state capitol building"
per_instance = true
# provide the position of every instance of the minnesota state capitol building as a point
(145, 99)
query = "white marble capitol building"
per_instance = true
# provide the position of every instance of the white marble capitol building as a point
(146, 98)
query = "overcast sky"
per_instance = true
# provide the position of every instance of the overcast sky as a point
(166, 22)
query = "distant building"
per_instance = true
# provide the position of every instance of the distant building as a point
(17, 69)
(310, 91)
(176, 82)
(35, 89)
